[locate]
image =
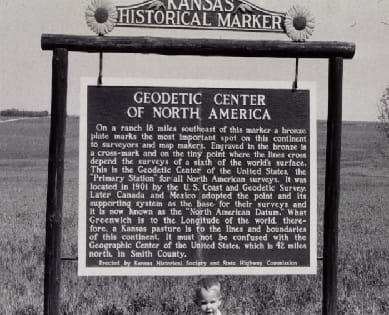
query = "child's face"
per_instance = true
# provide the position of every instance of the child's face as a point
(209, 301)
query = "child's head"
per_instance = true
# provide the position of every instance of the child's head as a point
(208, 295)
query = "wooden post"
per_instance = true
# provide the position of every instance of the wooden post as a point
(332, 185)
(52, 279)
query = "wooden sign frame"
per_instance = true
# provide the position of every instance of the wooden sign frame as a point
(335, 52)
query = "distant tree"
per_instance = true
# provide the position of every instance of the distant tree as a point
(23, 113)
(383, 108)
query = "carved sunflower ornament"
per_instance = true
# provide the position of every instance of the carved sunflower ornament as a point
(101, 16)
(299, 23)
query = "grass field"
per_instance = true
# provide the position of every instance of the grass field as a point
(363, 239)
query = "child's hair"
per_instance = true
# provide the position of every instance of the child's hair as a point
(207, 284)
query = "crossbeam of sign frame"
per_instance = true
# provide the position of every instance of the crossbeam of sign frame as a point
(184, 178)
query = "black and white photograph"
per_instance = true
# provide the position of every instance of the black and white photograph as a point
(188, 157)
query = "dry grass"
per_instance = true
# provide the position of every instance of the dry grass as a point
(363, 238)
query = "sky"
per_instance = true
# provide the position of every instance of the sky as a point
(25, 70)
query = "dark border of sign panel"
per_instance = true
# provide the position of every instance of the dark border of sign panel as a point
(335, 52)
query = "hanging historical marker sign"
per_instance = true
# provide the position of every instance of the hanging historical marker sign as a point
(181, 178)
(204, 14)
